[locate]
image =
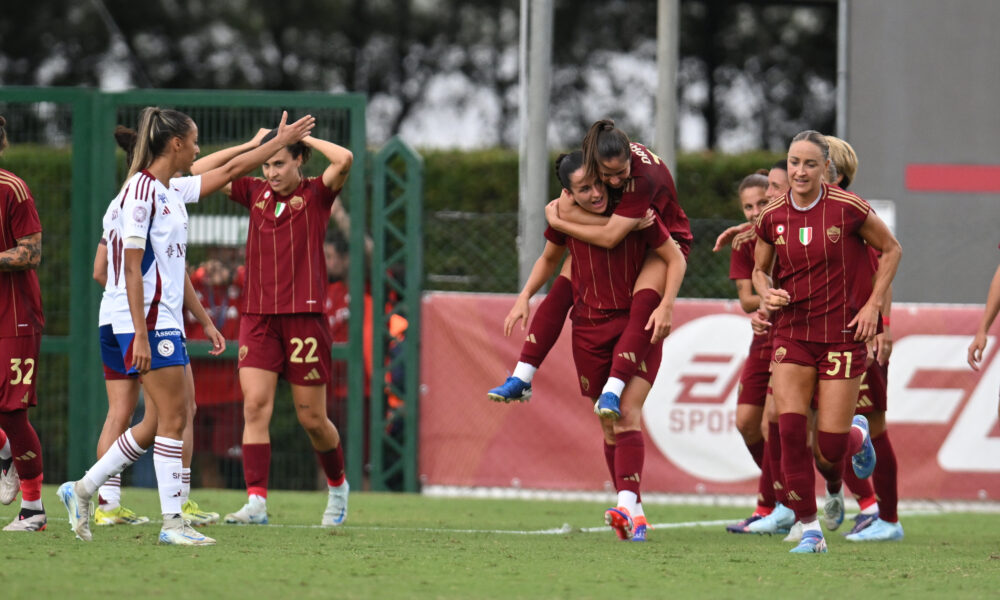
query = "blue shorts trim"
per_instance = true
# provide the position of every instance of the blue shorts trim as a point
(166, 345)
(111, 353)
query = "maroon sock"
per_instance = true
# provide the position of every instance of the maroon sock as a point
(634, 343)
(609, 458)
(765, 484)
(774, 456)
(797, 466)
(332, 462)
(24, 444)
(832, 446)
(757, 452)
(256, 464)
(861, 489)
(855, 439)
(547, 322)
(630, 451)
(885, 478)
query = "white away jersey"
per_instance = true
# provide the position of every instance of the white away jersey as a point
(146, 209)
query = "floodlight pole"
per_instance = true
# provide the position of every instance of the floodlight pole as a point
(667, 50)
(535, 63)
(843, 28)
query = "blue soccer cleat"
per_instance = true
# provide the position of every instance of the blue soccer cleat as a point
(812, 543)
(742, 526)
(608, 406)
(862, 521)
(878, 531)
(780, 521)
(864, 461)
(513, 389)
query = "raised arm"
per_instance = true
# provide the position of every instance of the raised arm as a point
(877, 234)
(340, 159)
(24, 256)
(218, 159)
(215, 179)
(992, 308)
(608, 235)
(543, 270)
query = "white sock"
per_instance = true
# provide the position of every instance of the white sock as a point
(122, 454)
(615, 386)
(811, 526)
(111, 493)
(626, 499)
(31, 504)
(638, 510)
(871, 510)
(167, 462)
(524, 372)
(5, 453)
(256, 500)
(186, 484)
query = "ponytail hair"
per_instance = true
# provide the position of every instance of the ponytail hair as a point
(157, 126)
(3, 135)
(125, 137)
(566, 165)
(604, 141)
(843, 159)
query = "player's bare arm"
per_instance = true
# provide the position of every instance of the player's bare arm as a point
(877, 234)
(194, 305)
(771, 299)
(606, 236)
(749, 300)
(217, 159)
(660, 322)
(101, 263)
(340, 159)
(27, 254)
(989, 315)
(543, 270)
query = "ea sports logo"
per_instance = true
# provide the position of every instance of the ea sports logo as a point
(690, 413)
(165, 348)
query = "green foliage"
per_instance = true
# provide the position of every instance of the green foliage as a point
(412, 546)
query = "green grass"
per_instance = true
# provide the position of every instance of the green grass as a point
(409, 546)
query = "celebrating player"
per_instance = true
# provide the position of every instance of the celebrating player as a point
(283, 329)
(21, 322)
(147, 240)
(989, 315)
(816, 236)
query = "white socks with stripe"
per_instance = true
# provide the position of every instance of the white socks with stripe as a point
(186, 485)
(110, 493)
(122, 453)
(169, 477)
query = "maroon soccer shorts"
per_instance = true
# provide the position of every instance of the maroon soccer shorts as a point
(593, 350)
(753, 380)
(296, 346)
(19, 359)
(842, 360)
(874, 390)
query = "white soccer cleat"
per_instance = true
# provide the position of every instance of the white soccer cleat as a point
(833, 510)
(336, 506)
(78, 510)
(28, 520)
(10, 484)
(795, 533)
(178, 532)
(254, 512)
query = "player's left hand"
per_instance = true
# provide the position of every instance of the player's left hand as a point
(552, 212)
(660, 322)
(218, 340)
(866, 323)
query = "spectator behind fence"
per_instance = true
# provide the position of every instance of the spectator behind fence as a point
(219, 420)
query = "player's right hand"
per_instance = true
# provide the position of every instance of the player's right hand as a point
(775, 299)
(142, 356)
(521, 311)
(976, 350)
(290, 134)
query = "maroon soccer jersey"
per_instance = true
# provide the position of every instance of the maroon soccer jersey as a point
(20, 296)
(650, 185)
(285, 266)
(603, 279)
(821, 261)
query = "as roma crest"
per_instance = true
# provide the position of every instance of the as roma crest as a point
(833, 234)
(296, 202)
(780, 353)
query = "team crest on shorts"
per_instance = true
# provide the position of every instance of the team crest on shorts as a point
(584, 383)
(833, 234)
(165, 348)
(243, 352)
(780, 354)
(296, 202)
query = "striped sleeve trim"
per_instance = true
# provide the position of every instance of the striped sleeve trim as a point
(16, 186)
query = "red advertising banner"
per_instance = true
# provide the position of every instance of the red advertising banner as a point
(942, 416)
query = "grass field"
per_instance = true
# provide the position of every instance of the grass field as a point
(411, 546)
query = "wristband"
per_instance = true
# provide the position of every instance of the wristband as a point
(885, 321)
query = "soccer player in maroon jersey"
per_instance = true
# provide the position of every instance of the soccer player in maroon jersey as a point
(21, 322)
(878, 519)
(756, 374)
(989, 315)
(600, 314)
(283, 330)
(816, 236)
